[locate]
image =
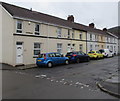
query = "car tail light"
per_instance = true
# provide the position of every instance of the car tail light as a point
(44, 56)
(94, 54)
(74, 55)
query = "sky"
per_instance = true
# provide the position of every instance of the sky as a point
(103, 13)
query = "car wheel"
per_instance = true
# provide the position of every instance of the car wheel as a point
(66, 62)
(88, 59)
(97, 57)
(78, 60)
(49, 64)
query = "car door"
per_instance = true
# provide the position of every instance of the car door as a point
(58, 58)
(80, 55)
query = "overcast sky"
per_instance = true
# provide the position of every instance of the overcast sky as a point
(103, 14)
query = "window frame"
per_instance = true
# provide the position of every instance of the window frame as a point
(37, 32)
(17, 29)
(59, 32)
(59, 48)
(36, 49)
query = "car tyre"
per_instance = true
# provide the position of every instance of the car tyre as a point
(49, 65)
(88, 59)
(66, 62)
(78, 60)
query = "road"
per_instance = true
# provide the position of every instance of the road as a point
(73, 81)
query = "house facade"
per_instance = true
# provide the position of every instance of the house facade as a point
(26, 33)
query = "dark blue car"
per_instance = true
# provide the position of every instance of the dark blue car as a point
(77, 56)
(50, 59)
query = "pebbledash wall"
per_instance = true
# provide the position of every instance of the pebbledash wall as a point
(52, 38)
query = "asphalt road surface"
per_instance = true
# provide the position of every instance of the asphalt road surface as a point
(73, 81)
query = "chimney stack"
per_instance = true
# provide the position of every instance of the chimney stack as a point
(70, 18)
(92, 25)
(105, 29)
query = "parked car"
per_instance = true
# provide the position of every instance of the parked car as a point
(50, 59)
(77, 56)
(106, 52)
(95, 54)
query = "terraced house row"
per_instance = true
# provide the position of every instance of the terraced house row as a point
(25, 33)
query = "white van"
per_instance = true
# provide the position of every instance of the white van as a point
(106, 52)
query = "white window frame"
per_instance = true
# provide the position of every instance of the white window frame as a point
(90, 36)
(59, 47)
(59, 32)
(19, 21)
(68, 33)
(37, 32)
(81, 47)
(80, 36)
(36, 49)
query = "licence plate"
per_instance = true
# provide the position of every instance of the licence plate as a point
(69, 56)
(39, 60)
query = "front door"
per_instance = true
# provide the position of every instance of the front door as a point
(19, 53)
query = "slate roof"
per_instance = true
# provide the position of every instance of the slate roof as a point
(20, 12)
(115, 31)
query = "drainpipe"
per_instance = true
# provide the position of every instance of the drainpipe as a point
(48, 39)
(86, 42)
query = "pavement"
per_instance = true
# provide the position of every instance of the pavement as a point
(111, 85)
(22, 67)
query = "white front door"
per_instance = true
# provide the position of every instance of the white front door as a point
(19, 53)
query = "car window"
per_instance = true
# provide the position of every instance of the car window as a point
(101, 50)
(97, 51)
(70, 53)
(91, 52)
(57, 55)
(79, 53)
(42, 55)
(82, 53)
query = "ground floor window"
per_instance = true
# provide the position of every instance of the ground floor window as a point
(81, 47)
(37, 49)
(59, 48)
(91, 47)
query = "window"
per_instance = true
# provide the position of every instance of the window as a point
(90, 47)
(81, 47)
(37, 47)
(73, 35)
(80, 36)
(73, 47)
(102, 46)
(90, 36)
(19, 27)
(59, 30)
(37, 29)
(59, 48)
(68, 33)
(69, 48)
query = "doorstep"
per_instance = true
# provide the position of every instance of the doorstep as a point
(23, 67)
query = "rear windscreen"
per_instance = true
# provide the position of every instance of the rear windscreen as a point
(42, 55)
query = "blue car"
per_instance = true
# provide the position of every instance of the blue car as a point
(77, 56)
(50, 59)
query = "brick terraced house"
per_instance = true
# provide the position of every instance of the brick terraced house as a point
(25, 33)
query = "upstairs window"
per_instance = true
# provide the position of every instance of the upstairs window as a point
(68, 33)
(73, 35)
(19, 26)
(90, 36)
(37, 29)
(59, 32)
(80, 36)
